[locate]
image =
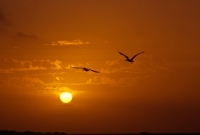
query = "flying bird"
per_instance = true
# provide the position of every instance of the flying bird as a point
(128, 59)
(86, 69)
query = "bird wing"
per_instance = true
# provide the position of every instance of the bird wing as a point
(123, 55)
(94, 71)
(136, 55)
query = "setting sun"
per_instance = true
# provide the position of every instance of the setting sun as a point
(65, 97)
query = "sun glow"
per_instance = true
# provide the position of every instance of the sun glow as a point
(65, 97)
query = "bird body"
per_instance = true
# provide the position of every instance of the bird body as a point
(86, 69)
(130, 59)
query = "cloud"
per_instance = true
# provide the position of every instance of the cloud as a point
(120, 73)
(10, 65)
(123, 74)
(111, 67)
(33, 83)
(24, 83)
(113, 73)
(145, 63)
(59, 78)
(64, 88)
(57, 64)
(112, 81)
(64, 42)
(106, 80)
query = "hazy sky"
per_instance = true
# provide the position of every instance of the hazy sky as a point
(41, 39)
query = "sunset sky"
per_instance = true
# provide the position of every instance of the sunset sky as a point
(41, 39)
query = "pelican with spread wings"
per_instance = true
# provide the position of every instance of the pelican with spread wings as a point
(128, 59)
(86, 69)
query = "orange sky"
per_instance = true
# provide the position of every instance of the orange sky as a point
(159, 92)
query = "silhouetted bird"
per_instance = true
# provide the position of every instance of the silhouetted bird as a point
(86, 69)
(128, 59)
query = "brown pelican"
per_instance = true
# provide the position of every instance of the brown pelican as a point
(86, 69)
(128, 59)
